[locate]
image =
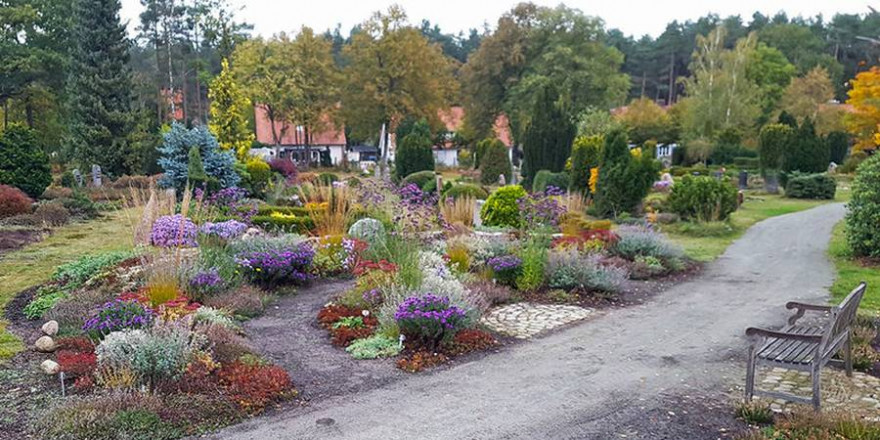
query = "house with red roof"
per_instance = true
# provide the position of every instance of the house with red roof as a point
(329, 146)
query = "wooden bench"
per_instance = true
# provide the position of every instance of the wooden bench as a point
(805, 347)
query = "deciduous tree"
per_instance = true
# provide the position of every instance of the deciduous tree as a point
(229, 107)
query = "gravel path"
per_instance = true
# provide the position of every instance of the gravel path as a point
(609, 377)
(289, 334)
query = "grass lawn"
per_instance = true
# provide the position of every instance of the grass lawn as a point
(851, 272)
(35, 263)
(707, 242)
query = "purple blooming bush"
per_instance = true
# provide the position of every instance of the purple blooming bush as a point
(540, 209)
(174, 231)
(118, 315)
(204, 284)
(506, 268)
(224, 230)
(428, 320)
(273, 267)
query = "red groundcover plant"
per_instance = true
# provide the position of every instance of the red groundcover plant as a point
(252, 386)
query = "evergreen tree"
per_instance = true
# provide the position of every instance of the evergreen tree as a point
(228, 121)
(787, 119)
(414, 150)
(585, 155)
(196, 169)
(838, 144)
(807, 153)
(494, 161)
(624, 180)
(100, 86)
(23, 164)
(548, 135)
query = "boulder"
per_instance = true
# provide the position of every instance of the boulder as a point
(50, 367)
(45, 344)
(50, 328)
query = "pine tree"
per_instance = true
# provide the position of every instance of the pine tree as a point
(807, 153)
(548, 136)
(414, 149)
(100, 86)
(228, 121)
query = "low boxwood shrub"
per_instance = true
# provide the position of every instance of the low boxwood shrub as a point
(702, 198)
(811, 186)
(502, 207)
(546, 178)
(285, 223)
(420, 179)
(466, 190)
(862, 235)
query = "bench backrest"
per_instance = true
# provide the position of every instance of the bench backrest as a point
(842, 317)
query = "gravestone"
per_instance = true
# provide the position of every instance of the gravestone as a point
(96, 175)
(78, 177)
(478, 206)
(743, 179)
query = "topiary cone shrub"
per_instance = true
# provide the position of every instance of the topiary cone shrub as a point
(863, 218)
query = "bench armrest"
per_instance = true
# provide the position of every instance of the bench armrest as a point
(760, 332)
(802, 308)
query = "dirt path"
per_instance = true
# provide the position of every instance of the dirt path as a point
(289, 335)
(610, 377)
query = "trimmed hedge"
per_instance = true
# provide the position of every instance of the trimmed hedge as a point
(748, 163)
(298, 224)
(466, 190)
(545, 178)
(702, 198)
(420, 179)
(811, 186)
(286, 210)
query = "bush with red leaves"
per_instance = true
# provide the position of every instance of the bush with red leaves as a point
(343, 336)
(285, 167)
(468, 340)
(331, 313)
(84, 383)
(420, 360)
(580, 241)
(79, 344)
(13, 201)
(364, 266)
(253, 387)
(75, 364)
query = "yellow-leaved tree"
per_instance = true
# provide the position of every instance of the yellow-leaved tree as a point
(864, 97)
(228, 121)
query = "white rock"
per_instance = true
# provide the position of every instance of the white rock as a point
(50, 367)
(50, 328)
(45, 344)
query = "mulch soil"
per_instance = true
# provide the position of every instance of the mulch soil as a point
(14, 239)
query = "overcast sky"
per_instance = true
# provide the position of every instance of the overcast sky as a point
(632, 16)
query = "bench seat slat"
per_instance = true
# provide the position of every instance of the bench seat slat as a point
(790, 351)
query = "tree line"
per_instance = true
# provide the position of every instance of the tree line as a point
(93, 93)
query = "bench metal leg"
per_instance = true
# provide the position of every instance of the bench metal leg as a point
(750, 374)
(815, 376)
(847, 354)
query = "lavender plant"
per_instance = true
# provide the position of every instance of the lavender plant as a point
(118, 315)
(174, 231)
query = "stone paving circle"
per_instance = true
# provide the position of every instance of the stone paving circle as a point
(525, 320)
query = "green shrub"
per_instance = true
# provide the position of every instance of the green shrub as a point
(502, 208)
(624, 180)
(377, 346)
(585, 155)
(53, 214)
(863, 235)
(260, 173)
(811, 186)
(466, 190)
(420, 179)
(807, 152)
(534, 263)
(68, 180)
(23, 164)
(495, 161)
(413, 149)
(298, 224)
(851, 164)
(838, 145)
(545, 178)
(218, 164)
(80, 205)
(773, 140)
(327, 178)
(702, 199)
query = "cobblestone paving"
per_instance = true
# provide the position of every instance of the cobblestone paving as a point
(858, 393)
(525, 320)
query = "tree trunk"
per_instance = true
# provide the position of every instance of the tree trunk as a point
(671, 78)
